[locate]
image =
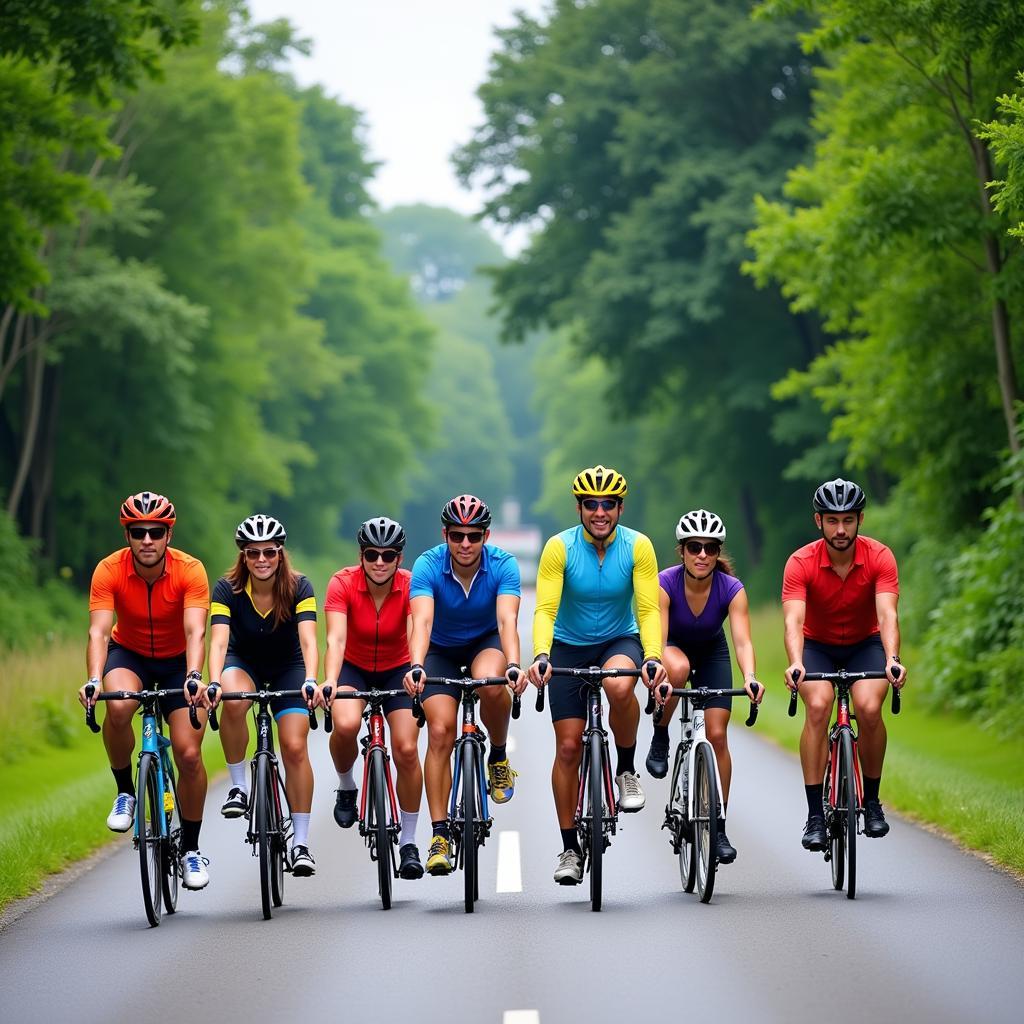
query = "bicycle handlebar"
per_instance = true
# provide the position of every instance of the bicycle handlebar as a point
(263, 697)
(92, 697)
(375, 698)
(843, 676)
(592, 675)
(699, 694)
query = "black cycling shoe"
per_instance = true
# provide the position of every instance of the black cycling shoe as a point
(875, 825)
(345, 808)
(815, 837)
(410, 867)
(657, 759)
(726, 851)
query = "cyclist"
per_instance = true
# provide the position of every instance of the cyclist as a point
(159, 597)
(839, 598)
(263, 635)
(587, 581)
(696, 598)
(464, 598)
(368, 624)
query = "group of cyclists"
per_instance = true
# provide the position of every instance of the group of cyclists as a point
(600, 601)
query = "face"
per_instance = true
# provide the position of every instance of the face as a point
(262, 559)
(839, 528)
(602, 518)
(465, 543)
(697, 558)
(148, 549)
(376, 563)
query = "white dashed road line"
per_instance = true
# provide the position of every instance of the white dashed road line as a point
(521, 1017)
(510, 874)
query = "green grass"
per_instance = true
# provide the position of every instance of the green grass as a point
(943, 771)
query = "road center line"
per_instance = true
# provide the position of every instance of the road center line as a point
(510, 879)
(510, 745)
(521, 1016)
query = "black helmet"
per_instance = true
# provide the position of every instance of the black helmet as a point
(839, 495)
(381, 532)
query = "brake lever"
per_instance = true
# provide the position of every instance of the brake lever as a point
(793, 694)
(752, 717)
(90, 707)
(193, 716)
(328, 718)
(210, 690)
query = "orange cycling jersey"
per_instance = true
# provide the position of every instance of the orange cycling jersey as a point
(150, 617)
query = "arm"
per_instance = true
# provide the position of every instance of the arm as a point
(220, 633)
(739, 626)
(310, 652)
(664, 603)
(195, 639)
(648, 607)
(550, 579)
(889, 631)
(794, 612)
(101, 622)
(422, 613)
(507, 609)
(334, 657)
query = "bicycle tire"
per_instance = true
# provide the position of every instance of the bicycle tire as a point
(379, 826)
(264, 818)
(850, 812)
(706, 823)
(278, 841)
(148, 815)
(683, 827)
(171, 847)
(836, 827)
(470, 851)
(595, 818)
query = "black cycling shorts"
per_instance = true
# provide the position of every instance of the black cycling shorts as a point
(710, 666)
(867, 655)
(290, 678)
(568, 695)
(390, 679)
(449, 661)
(153, 673)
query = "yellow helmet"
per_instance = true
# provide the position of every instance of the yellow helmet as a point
(599, 482)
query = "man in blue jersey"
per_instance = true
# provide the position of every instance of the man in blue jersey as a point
(464, 600)
(587, 581)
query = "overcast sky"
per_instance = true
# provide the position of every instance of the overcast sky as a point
(412, 67)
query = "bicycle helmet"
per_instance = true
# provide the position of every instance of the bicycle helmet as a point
(839, 495)
(259, 529)
(147, 507)
(700, 523)
(599, 482)
(381, 533)
(466, 510)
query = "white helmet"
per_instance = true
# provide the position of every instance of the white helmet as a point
(260, 528)
(700, 523)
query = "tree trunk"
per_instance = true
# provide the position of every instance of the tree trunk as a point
(755, 536)
(41, 477)
(34, 372)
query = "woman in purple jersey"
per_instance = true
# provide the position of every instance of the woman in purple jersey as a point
(697, 596)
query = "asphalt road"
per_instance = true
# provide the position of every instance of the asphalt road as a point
(935, 934)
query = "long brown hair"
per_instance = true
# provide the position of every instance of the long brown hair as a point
(285, 583)
(724, 562)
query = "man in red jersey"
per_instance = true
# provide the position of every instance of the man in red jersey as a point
(839, 598)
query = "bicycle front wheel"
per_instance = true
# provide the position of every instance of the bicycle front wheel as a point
(848, 800)
(264, 833)
(470, 851)
(682, 826)
(149, 812)
(595, 817)
(835, 822)
(706, 821)
(377, 797)
(170, 848)
(278, 839)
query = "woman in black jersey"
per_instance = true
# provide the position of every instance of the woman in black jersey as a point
(263, 635)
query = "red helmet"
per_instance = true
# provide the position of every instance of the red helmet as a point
(147, 507)
(466, 510)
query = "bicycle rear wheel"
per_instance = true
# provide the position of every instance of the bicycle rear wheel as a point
(171, 847)
(278, 840)
(381, 846)
(470, 851)
(148, 815)
(682, 826)
(264, 837)
(595, 817)
(706, 821)
(848, 800)
(835, 822)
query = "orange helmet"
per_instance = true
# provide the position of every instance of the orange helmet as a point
(466, 510)
(147, 507)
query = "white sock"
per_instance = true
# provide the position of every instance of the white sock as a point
(300, 823)
(239, 775)
(347, 780)
(409, 819)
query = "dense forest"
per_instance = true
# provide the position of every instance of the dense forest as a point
(770, 243)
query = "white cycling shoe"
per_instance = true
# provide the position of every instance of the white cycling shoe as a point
(122, 814)
(570, 868)
(193, 870)
(631, 795)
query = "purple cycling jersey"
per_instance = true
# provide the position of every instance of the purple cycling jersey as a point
(686, 630)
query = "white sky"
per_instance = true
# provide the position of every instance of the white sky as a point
(412, 67)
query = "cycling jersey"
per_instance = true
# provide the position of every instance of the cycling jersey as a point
(582, 600)
(840, 611)
(686, 630)
(149, 615)
(254, 638)
(375, 641)
(460, 617)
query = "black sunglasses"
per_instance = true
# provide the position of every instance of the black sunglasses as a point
(593, 504)
(387, 557)
(140, 532)
(712, 547)
(474, 536)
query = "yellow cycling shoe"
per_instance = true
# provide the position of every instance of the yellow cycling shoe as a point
(503, 781)
(439, 859)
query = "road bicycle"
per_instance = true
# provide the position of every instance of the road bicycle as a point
(469, 815)
(157, 831)
(597, 814)
(843, 790)
(268, 813)
(378, 809)
(695, 801)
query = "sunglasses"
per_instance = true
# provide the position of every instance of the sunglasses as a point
(387, 557)
(474, 537)
(254, 554)
(141, 532)
(593, 504)
(712, 547)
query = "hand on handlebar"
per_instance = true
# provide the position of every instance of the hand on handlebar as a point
(540, 671)
(755, 695)
(312, 695)
(83, 699)
(413, 680)
(327, 692)
(660, 675)
(662, 692)
(517, 679)
(794, 674)
(209, 696)
(896, 673)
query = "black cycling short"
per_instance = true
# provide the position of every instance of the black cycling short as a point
(867, 655)
(710, 666)
(449, 661)
(568, 695)
(390, 679)
(291, 677)
(154, 673)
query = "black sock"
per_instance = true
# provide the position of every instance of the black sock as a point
(570, 840)
(661, 734)
(124, 780)
(871, 788)
(625, 756)
(814, 805)
(441, 828)
(190, 834)
(497, 754)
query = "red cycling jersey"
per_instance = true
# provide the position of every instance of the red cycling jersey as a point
(375, 641)
(840, 611)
